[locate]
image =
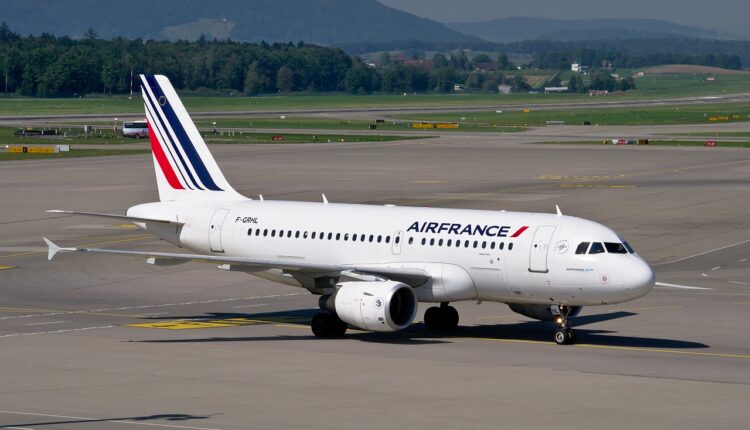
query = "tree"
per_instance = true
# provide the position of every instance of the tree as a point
(575, 84)
(285, 79)
(503, 63)
(385, 59)
(439, 60)
(256, 81)
(360, 79)
(109, 75)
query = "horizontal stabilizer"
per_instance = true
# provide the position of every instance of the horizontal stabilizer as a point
(115, 216)
(54, 249)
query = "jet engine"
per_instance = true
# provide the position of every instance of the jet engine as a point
(540, 312)
(377, 306)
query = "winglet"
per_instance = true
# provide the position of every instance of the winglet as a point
(54, 249)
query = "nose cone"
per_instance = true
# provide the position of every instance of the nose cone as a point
(639, 279)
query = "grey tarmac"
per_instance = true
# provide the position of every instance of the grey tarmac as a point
(104, 342)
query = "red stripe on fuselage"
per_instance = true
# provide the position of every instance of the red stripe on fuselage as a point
(161, 158)
(520, 231)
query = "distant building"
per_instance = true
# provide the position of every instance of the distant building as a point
(419, 62)
(578, 68)
(555, 89)
(486, 67)
(598, 93)
(504, 89)
(459, 87)
(639, 74)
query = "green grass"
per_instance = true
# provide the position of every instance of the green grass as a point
(75, 137)
(650, 115)
(74, 153)
(718, 134)
(658, 143)
(333, 124)
(652, 86)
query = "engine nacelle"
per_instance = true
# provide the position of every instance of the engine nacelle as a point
(540, 312)
(375, 306)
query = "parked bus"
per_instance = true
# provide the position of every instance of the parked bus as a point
(135, 129)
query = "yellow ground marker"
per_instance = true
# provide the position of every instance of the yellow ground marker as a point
(7, 267)
(217, 323)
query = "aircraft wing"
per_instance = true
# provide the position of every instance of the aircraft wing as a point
(116, 216)
(409, 276)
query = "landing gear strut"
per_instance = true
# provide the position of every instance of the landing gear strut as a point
(444, 318)
(564, 335)
(326, 324)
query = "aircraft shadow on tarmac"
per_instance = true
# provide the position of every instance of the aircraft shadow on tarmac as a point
(134, 420)
(531, 331)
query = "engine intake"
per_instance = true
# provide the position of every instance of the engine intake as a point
(540, 312)
(376, 306)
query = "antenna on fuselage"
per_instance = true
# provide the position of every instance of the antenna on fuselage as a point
(260, 196)
(325, 199)
(559, 212)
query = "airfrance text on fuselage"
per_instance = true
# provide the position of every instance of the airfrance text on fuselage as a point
(467, 229)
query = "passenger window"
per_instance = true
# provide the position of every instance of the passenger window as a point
(338, 236)
(484, 245)
(362, 238)
(313, 235)
(289, 233)
(596, 248)
(387, 239)
(501, 246)
(273, 233)
(476, 244)
(510, 247)
(432, 242)
(265, 232)
(346, 236)
(281, 233)
(296, 234)
(411, 240)
(466, 244)
(371, 238)
(492, 245)
(615, 248)
(304, 235)
(398, 240)
(450, 242)
(440, 242)
(582, 247)
(354, 237)
(380, 238)
(250, 232)
(257, 232)
(322, 235)
(424, 241)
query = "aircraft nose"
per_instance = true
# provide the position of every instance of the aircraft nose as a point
(639, 278)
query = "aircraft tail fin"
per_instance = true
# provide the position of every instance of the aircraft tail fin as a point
(185, 168)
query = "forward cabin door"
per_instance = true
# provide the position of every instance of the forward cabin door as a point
(540, 248)
(214, 231)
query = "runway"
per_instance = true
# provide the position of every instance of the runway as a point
(105, 342)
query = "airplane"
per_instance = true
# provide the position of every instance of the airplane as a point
(371, 265)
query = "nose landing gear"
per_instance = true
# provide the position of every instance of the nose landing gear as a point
(564, 335)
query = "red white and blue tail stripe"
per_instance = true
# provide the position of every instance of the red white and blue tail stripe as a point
(184, 166)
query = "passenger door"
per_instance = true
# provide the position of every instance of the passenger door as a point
(540, 248)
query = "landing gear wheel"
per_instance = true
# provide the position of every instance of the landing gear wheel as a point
(338, 328)
(321, 325)
(444, 318)
(565, 336)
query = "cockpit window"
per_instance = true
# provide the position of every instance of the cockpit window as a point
(596, 248)
(582, 247)
(628, 247)
(615, 248)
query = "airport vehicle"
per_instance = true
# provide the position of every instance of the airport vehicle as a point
(371, 265)
(135, 129)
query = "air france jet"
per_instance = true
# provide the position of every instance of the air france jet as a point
(372, 265)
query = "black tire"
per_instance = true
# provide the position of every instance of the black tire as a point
(321, 325)
(433, 319)
(338, 328)
(571, 337)
(562, 336)
(450, 318)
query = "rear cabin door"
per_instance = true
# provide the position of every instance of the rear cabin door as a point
(214, 231)
(540, 248)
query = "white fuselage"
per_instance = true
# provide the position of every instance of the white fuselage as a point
(469, 254)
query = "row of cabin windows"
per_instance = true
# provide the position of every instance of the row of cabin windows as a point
(465, 244)
(321, 235)
(373, 238)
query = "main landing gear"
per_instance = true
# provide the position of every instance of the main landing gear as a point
(564, 335)
(444, 318)
(326, 324)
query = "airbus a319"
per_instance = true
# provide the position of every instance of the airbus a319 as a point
(372, 265)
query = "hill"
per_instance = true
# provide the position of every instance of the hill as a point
(522, 28)
(323, 21)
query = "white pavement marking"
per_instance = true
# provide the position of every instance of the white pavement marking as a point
(716, 268)
(45, 323)
(126, 308)
(702, 253)
(57, 331)
(683, 287)
(249, 306)
(738, 282)
(105, 420)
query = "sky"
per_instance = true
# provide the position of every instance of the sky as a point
(722, 15)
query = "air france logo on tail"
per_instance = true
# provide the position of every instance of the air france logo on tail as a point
(171, 145)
